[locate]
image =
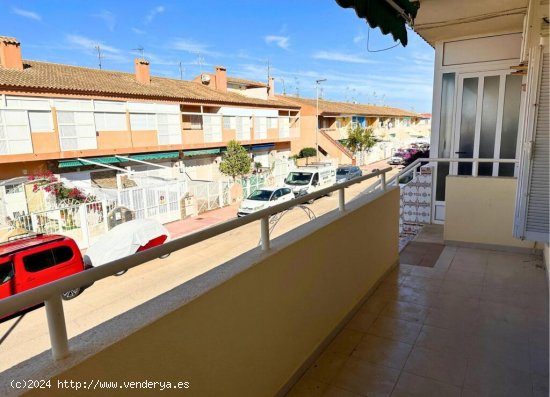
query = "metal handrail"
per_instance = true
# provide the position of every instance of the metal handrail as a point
(51, 293)
(411, 167)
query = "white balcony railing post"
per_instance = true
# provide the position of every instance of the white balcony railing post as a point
(264, 230)
(57, 327)
(341, 200)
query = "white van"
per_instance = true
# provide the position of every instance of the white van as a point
(309, 179)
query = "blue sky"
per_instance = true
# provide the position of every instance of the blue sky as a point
(304, 40)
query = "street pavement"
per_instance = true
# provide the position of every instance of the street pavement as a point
(24, 337)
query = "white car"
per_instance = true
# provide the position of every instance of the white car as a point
(264, 198)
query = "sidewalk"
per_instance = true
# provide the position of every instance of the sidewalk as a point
(202, 221)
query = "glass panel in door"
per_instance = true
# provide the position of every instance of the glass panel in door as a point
(467, 124)
(510, 123)
(488, 130)
(445, 132)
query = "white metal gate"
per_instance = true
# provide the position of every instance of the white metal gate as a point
(209, 195)
(158, 202)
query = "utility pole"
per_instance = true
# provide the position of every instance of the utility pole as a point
(99, 56)
(317, 82)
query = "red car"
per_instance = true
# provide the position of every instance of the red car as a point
(35, 260)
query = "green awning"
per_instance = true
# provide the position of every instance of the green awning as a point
(155, 156)
(69, 163)
(201, 152)
(379, 13)
(78, 163)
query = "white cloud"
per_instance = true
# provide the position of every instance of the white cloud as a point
(138, 31)
(153, 13)
(279, 41)
(88, 46)
(192, 47)
(108, 17)
(340, 57)
(87, 43)
(26, 14)
(359, 37)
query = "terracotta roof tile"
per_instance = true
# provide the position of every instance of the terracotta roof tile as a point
(249, 83)
(74, 79)
(346, 108)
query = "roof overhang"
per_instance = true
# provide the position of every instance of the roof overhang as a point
(441, 20)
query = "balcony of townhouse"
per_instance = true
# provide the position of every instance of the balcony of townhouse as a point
(328, 308)
(465, 312)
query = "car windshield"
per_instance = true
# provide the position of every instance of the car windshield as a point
(298, 178)
(342, 172)
(260, 195)
(398, 154)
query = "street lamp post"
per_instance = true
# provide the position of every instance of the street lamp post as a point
(317, 82)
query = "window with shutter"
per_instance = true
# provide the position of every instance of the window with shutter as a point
(15, 135)
(76, 130)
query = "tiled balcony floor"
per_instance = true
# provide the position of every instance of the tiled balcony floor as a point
(476, 324)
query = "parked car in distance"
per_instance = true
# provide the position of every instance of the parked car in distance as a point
(347, 172)
(126, 239)
(264, 198)
(36, 259)
(398, 158)
(309, 179)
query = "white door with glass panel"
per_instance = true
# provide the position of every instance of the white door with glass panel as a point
(485, 126)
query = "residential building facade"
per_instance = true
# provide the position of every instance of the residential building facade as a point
(66, 119)
(336, 118)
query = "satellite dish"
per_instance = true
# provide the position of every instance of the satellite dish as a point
(205, 78)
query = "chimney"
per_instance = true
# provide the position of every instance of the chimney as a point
(10, 53)
(271, 88)
(221, 78)
(142, 71)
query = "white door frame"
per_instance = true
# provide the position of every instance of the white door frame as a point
(455, 145)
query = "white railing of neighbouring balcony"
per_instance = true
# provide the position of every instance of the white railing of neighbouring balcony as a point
(50, 293)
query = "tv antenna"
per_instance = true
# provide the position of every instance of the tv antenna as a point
(99, 56)
(141, 51)
(182, 71)
(297, 84)
(284, 87)
(200, 61)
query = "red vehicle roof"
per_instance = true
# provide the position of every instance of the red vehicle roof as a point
(10, 247)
